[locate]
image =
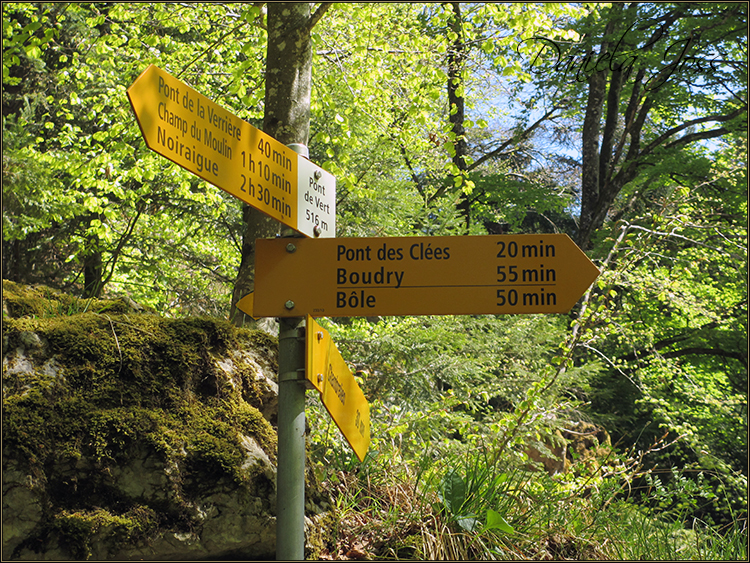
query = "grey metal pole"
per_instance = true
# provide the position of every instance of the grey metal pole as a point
(290, 472)
(290, 484)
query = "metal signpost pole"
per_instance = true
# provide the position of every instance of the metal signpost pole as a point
(290, 481)
(290, 475)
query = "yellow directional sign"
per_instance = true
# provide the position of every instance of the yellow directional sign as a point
(246, 304)
(201, 136)
(458, 275)
(341, 396)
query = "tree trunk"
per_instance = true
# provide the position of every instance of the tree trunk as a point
(612, 152)
(286, 118)
(590, 171)
(594, 169)
(93, 269)
(456, 110)
(92, 275)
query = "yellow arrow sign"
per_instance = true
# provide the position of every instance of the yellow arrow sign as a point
(466, 275)
(341, 396)
(189, 129)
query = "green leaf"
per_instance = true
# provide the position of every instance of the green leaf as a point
(495, 521)
(399, 429)
(468, 523)
(33, 52)
(454, 491)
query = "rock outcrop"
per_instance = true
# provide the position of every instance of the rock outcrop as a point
(130, 436)
(577, 446)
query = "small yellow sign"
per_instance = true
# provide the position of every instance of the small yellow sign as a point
(246, 305)
(201, 136)
(341, 396)
(455, 275)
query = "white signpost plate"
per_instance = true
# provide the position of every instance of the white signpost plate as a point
(316, 200)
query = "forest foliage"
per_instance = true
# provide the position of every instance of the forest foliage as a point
(621, 125)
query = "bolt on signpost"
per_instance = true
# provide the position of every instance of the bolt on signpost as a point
(189, 129)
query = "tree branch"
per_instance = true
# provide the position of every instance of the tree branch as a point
(630, 114)
(633, 163)
(210, 47)
(610, 126)
(513, 140)
(112, 262)
(698, 351)
(414, 176)
(692, 241)
(694, 350)
(708, 134)
(674, 130)
(315, 18)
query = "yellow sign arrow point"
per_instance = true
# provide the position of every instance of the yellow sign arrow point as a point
(204, 138)
(246, 305)
(457, 275)
(341, 396)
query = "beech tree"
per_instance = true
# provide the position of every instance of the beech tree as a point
(484, 44)
(286, 116)
(111, 211)
(649, 80)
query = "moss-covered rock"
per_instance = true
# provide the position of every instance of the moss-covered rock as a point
(44, 302)
(127, 435)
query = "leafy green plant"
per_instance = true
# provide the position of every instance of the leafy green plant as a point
(468, 499)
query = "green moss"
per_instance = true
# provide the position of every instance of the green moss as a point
(44, 302)
(127, 381)
(259, 340)
(409, 547)
(111, 433)
(77, 528)
(251, 422)
(319, 535)
(215, 451)
(117, 390)
(121, 376)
